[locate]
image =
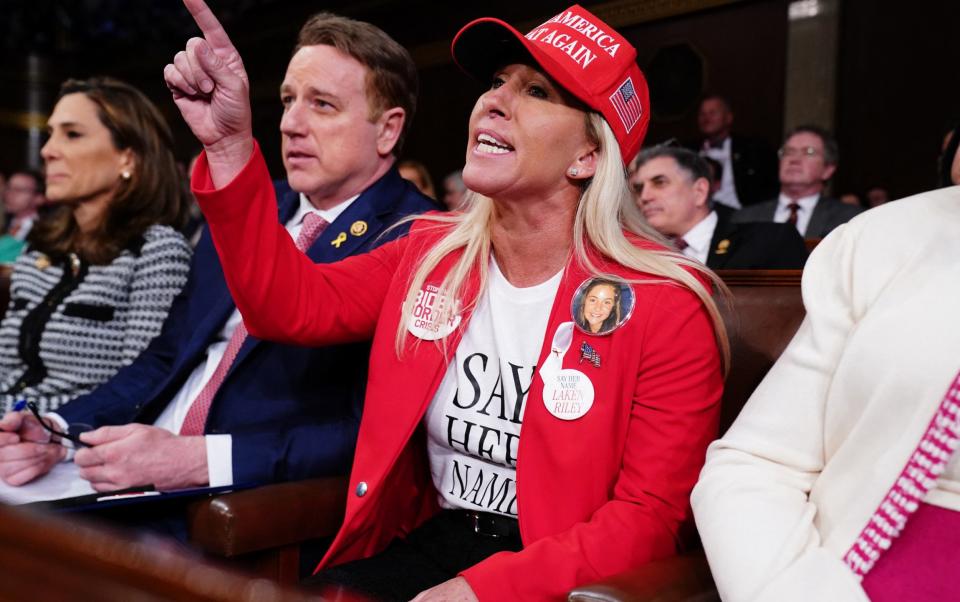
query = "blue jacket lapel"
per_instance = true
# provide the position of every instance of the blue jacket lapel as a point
(288, 203)
(358, 226)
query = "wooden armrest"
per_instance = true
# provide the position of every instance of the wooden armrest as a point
(675, 579)
(49, 557)
(266, 517)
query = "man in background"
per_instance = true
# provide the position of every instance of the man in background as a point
(21, 198)
(808, 159)
(749, 166)
(672, 187)
(207, 405)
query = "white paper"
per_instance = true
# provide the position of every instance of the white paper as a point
(62, 481)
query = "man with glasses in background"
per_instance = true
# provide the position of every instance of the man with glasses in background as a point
(673, 187)
(808, 159)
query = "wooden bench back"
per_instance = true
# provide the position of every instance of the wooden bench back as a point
(767, 310)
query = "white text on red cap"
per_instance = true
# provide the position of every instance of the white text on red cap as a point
(583, 56)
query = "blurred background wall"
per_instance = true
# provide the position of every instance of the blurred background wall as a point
(879, 74)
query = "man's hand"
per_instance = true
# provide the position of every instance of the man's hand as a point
(454, 590)
(137, 454)
(25, 449)
(211, 89)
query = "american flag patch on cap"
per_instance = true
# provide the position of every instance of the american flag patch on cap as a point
(627, 104)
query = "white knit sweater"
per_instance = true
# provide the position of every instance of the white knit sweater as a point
(792, 497)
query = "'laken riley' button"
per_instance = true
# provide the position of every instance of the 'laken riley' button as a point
(568, 394)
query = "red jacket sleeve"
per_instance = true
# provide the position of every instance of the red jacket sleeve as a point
(281, 294)
(674, 416)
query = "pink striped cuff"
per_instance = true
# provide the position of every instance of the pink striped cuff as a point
(920, 474)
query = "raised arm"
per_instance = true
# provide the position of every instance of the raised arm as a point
(211, 89)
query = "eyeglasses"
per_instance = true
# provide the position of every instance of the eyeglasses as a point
(75, 439)
(793, 151)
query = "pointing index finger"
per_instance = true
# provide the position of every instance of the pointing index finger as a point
(209, 25)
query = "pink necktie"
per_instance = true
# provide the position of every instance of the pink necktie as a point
(196, 419)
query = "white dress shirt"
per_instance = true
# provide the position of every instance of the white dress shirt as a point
(698, 238)
(807, 205)
(723, 153)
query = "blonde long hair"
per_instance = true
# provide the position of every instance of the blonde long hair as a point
(606, 195)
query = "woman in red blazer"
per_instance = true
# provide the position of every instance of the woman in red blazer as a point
(473, 318)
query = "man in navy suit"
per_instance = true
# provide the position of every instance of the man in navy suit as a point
(281, 412)
(808, 159)
(672, 187)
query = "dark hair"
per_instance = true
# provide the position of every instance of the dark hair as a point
(424, 175)
(154, 193)
(614, 318)
(831, 150)
(946, 159)
(692, 164)
(392, 75)
(715, 96)
(33, 174)
(716, 169)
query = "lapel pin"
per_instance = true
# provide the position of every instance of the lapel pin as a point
(590, 354)
(42, 262)
(722, 247)
(358, 228)
(339, 240)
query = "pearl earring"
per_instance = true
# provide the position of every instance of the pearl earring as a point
(125, 174)
(574, 172)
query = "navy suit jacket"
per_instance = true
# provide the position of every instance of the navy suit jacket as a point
(292, 412)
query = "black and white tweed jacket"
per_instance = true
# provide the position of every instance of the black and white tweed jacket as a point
(99, 326)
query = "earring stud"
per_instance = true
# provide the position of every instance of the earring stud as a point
(125, 174)
(574, 172)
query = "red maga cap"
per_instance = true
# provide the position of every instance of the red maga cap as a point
(582, 53)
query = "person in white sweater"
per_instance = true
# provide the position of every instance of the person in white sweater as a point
(838, 481)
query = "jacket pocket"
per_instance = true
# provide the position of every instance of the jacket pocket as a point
(100, 313)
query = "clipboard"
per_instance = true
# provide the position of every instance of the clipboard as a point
(63, 490)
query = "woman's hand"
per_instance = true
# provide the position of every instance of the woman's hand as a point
(25, 449)
(454, 590)
(211, 89)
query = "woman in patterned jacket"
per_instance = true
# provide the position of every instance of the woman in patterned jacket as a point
(103, 266)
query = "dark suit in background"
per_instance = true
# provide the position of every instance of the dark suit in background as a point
(755, 246)
(292, 412)
(827, 215)
(755, 169)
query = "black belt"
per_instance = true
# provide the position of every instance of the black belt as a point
(489, 524)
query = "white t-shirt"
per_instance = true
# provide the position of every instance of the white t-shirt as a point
(473, 422)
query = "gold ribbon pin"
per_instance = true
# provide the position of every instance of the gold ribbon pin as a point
(722, 247)
(339, 240)
(358, 228)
